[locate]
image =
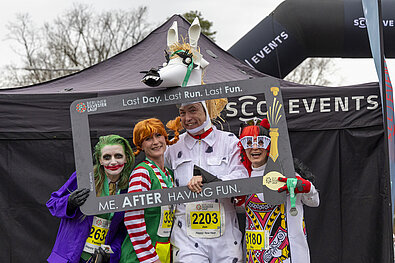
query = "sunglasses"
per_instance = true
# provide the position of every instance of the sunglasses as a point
(260, 142)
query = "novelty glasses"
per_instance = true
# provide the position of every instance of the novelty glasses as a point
(260, 142)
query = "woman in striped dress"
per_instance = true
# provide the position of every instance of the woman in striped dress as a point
(149, 228)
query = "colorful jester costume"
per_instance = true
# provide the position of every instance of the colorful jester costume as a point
(272, 234)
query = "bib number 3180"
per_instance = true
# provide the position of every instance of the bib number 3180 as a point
(257, 239)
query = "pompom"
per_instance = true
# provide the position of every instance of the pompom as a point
(265, 123)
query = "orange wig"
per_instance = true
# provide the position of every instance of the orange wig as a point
(147, 128)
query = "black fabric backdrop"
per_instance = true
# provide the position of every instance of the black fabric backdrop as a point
(344, 149)
(336, 131)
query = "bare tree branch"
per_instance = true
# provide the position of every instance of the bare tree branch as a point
(313, 71)
(77, 39)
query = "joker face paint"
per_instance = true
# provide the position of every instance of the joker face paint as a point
(113, 160)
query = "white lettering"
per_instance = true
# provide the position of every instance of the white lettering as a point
(187, 194)
(157, 198)
(273, 45)
(323, 104)
(212, 92)
(192, 94)
(232, 89)
(226, 189)
(259, 107)
(243, 108)
(171, 197)
(207, 192)
(339, 102)
(103, 207)
(266, 49)
(130, 102)
(372, 102)
(260, 54)
(312, 105)
(284, 35)
(150, 199)
(246, 61)
(357, 101)
(292, 106)
(135, 199)
(151, 99)
(388, 23)
(142, 198)
(233, 112)
(233, 189)
(180, 196)
(176, 96)
(255, 59)
(112, 204)
(126, 202)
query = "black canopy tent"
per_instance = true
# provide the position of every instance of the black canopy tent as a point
(298, 29)
(336, 131)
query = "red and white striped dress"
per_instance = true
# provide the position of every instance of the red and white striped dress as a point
(134, 220)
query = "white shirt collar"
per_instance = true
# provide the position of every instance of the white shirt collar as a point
(260, 168)
(209, 139)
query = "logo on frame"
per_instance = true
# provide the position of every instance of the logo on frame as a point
(80, 107)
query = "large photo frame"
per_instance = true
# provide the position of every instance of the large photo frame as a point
(279, 161)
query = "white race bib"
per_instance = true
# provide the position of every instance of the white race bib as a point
(166, 221)
(98, 234)
(205, 219)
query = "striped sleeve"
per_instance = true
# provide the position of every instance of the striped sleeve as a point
(134, 220)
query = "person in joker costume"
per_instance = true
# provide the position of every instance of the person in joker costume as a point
(284, 232)
(203, 231)
(80, 238)
(149, 229)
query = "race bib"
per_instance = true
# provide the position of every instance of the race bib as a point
(257, 239)
(205, 219)
(166, 221)
(98, 234)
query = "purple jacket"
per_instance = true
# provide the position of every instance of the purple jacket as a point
(74, 229)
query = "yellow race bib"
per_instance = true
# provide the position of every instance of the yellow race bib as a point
(97, 235)
(166, 221)
(257, 239)
(205, 219)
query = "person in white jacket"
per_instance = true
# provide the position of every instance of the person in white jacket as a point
(272, 233)
(205, 231)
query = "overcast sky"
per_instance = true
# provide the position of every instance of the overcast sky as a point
(232, 19)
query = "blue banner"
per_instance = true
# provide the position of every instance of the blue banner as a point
(372, 15)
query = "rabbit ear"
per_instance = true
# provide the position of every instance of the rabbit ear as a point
(172, 34)
(194, 33)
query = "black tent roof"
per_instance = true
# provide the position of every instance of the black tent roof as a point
(121, 73)
(39, 111)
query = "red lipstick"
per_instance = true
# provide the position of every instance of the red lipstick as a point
(115, 167)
